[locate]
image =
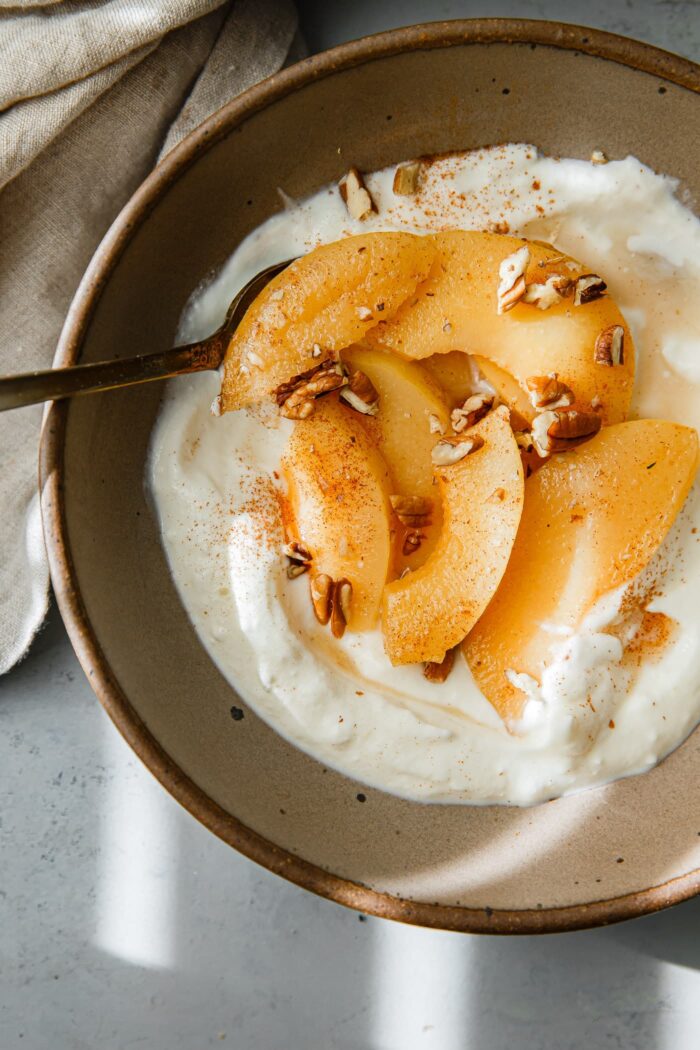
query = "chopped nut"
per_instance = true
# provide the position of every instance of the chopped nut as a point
(296, 551)
(562, 429)
(436, 427)
(452, 450)
(341, 597)
(406, 179)
(438, 672)
(523, 439)
(511, 275)
(316, 350)
(548, 392)
(610, 346)
(598, 157)
(296, 568)
(360, 394)
(412, 542)
(296, 397)
(320, 587)
(412, 511)
(356, 195)
(364, 313)
(556, 287)
(588, 287)
(473, 409)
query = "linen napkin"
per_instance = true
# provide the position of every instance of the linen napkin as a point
(91, 95)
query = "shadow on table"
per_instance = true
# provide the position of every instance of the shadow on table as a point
(671, 936)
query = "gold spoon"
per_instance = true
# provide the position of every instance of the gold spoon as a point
(56, 383)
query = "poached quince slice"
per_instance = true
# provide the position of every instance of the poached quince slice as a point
(318, 305)
(593, 518)
(456, 308)
(338, 491)
(411, 414)
(430, 610)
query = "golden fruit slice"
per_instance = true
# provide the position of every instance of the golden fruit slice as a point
(338, 492)
(593, 518)
(319, 304)
(508, 389)
(455, 373)
(412, 413)
(456, 309)
(430, 611)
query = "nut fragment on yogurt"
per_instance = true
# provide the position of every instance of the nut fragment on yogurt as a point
(406, 179)
(356, 196)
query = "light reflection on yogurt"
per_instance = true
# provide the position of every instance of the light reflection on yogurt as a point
(342, 701)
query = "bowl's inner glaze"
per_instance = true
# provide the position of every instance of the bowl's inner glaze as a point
(604, 843)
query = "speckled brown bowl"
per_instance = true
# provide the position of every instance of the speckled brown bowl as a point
(597, 857)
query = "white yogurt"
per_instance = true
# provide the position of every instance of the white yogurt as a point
(214, 488)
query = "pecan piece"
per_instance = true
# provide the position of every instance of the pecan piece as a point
(436, 427)
(296, 568)
(561, 429)
(523, 439)
(320, 587)
(452, 450)
(548, 392)
(588, 287)
(299, 559)
(406, 179)
(360, 394)
(543, 295)
(438, 672)
(356, 196)
(296, 397)
(340, 600)
(412, 511)
(412, 542)
(473, 409)
(610, 346)
(511, 273)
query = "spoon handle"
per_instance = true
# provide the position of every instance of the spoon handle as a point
(56, 383)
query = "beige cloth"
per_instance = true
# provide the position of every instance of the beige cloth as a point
(90, 96)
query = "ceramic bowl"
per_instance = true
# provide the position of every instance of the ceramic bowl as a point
(596, 857)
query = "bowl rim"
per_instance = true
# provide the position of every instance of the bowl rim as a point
(428, 36)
